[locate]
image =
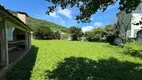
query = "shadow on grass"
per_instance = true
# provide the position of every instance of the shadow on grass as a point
(134, 54)
(22, 70)
(86, 69)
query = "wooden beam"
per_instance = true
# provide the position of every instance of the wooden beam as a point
(15, 42)
(11, 24)
(4, 44)
(7, 16)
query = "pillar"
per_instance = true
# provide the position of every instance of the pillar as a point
(26, 40)
(4, 44)
(29, 40)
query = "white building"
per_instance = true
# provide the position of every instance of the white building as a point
(130, 20)
(139, 36)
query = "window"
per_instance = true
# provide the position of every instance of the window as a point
(10, 33)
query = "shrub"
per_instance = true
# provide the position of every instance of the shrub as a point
(56, 35)
(111, 39)
(43, 33)
(128, 40)
(65, 36)
(95, 35)
(75, 32)
(133, 48)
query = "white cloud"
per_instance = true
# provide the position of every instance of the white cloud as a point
(54, 14)
(98, 24)
(65, 12)
(87, 28)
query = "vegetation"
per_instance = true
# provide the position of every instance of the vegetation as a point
(75, 32)
(56, 35)
(43, 33)
(37, 24)
(133, 49)
(34, 23)
(96, 34)
(107, 33)
(65, 36)
(88, 8)
(48, 30)
(74, 60)
(112, 29)
(124, 22)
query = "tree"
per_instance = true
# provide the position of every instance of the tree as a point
(43, 33)
(90, 7)
(56, 35)
(75, 32)
(112, 29)
(96, 34)
(65, 36)
(124, 21)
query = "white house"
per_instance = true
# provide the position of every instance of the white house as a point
(130, 20)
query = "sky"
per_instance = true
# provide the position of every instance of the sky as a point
(66, 17)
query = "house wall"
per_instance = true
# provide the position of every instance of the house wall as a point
(136, 17)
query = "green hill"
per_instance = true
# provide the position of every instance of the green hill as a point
(33, 23)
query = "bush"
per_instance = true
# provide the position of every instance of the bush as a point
(65, 36)
(111, 39)
(95, 35)
(75, 32)
(43, 33)
(56, 35)
(134, 49)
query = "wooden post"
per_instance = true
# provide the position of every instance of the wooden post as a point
(29, 40)
(26, 40)
(4, 44)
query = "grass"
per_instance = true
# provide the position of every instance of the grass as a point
(74, 60)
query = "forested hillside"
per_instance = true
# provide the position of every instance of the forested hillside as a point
(34, 23)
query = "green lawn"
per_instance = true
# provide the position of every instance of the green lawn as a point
(74, 60)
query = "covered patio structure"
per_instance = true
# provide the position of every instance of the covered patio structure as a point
(15, 38)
